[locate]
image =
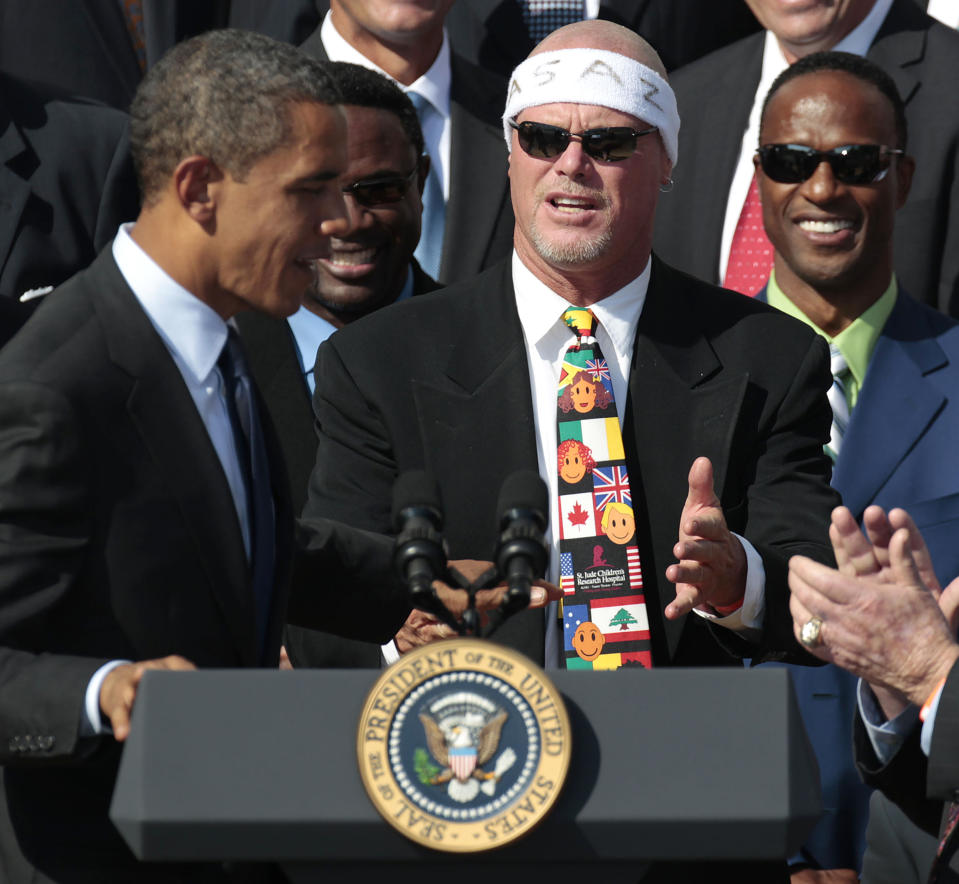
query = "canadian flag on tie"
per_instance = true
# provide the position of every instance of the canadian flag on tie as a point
(751, 252)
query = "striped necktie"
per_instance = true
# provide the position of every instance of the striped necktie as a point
(605, 625)
(838, 401)
(429, 251)
(254, 464)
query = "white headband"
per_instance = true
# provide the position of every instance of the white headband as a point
(594, 76)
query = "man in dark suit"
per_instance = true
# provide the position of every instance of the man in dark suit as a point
(720, 98)
(833, 240)
(66, 184)
(471, 388)
(467, 217)
(884, 618)
(140, 526)
(494, 34)
(370, 265)
(94, 48)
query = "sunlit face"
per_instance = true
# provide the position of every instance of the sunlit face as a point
(575, 212)
(267, 231)
(392, 21)
(583, 395)
(620, 526)
(831, 235)
(573, 468)
(369, 262)
(806, 26)
(588, 641)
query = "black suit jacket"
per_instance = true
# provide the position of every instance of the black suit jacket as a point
(921, 786)
(492, 33)
(715, 96)
(66, 183)
(119, 540)
(479, 213)
(275, 363)
(713, 374)
(85, 48)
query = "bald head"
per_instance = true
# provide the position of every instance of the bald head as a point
(598, 34)
(601, 64)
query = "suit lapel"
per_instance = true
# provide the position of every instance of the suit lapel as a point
(900, 45)
(676, 411)
(166, 418)
(477, 153)
(14, 190)
(896, 405)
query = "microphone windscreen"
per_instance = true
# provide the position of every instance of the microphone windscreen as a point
(414, 488)
(524, 490)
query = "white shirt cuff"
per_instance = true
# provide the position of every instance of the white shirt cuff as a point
(925, 736)
(390, 653)
(91, 722)
(748, 618)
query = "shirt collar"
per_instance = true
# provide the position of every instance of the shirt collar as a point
(434, 85)
(540, 308)
(856, 341)
(191, 330)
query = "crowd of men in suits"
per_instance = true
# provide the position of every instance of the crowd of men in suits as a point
(369, 172)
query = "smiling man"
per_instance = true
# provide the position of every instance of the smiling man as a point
(144, 515)
(833, 171)
(710, 224)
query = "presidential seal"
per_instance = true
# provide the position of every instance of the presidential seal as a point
(463, 745)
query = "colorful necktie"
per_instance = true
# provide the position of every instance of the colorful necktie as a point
(837, 401)
(604, 610)
(133, 17)
(429, 251)
(751, 252)
(254, 464)
(542, 17)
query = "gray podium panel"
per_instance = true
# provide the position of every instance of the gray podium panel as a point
(691, 764)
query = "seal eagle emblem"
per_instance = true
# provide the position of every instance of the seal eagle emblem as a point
(463, 743)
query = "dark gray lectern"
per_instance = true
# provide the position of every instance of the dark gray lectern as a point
(691, 764)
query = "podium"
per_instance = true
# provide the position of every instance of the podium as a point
(675, 764)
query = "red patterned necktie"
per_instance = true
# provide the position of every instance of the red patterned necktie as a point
(605, 625)
(941, 861)
(751, 252)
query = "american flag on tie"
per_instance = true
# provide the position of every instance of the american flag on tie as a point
(567, 580)
(633, 567)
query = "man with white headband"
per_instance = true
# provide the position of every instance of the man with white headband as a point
(705, 415)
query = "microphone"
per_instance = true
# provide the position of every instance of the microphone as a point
(521, 553)
(420, 553)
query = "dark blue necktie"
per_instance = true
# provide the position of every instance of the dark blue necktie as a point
(254, 464)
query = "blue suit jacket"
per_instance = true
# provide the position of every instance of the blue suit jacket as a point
(899, 450)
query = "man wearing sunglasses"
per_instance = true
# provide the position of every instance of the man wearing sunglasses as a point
(720, 400)
(370, 265)
(833, 172)
(710, 224)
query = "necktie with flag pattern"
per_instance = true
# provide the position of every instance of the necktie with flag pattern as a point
(605, 625)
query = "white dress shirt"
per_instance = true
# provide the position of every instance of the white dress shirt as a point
(857, 41)
(547, 338)
(947, 11)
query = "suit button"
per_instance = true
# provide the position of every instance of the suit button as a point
(47, 742)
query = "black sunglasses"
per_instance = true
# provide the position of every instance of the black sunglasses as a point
(372, 192)
(610, 144)
(850, 164)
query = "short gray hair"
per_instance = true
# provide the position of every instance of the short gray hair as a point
(225, 95)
